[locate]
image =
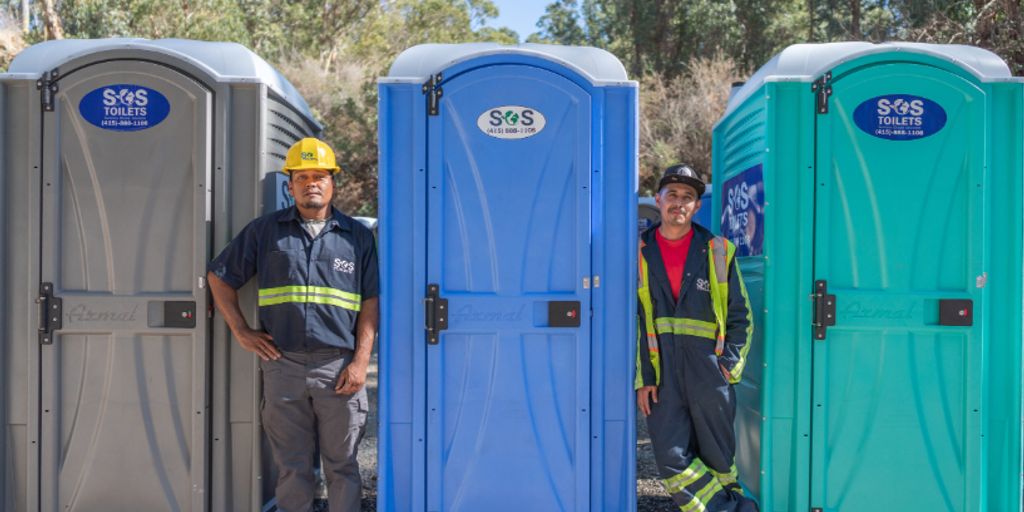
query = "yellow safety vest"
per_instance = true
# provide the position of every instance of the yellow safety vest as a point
(720, 255)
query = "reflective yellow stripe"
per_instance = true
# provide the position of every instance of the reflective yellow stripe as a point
(687, 326)
(309, 294)
(725, 479)
(737, 371)
(334, 292)
(644, 293)
(301, 289)
(718, 260)
(689, 475)
(703, 496)
(282, 289)
(699, 325)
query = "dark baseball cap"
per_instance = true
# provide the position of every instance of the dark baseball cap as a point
(682, 173)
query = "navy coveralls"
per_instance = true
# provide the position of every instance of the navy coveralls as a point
(310, 293)
(691, 426)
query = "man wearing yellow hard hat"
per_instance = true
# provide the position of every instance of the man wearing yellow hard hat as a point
(318, 283)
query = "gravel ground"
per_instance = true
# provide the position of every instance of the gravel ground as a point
(650, 495)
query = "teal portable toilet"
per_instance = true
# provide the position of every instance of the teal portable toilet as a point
(874, 193)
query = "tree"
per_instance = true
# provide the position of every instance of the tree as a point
(54, 28)
(560, 24)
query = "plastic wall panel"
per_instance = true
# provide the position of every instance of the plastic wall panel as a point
(1004, 382)
(17, 359)
(739, 145)
(233, 380)
(614, 362)
(789, 202)
(284, 127)
(9, 475)
(401, 212)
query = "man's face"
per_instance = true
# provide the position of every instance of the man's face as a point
(678, 203)
(311, 188)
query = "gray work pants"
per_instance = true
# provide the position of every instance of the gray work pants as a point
(299, 404)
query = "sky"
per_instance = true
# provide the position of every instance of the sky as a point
(519, 15)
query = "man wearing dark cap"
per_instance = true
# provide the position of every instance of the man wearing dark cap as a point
(694, 333)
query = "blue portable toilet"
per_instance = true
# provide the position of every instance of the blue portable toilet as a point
(507, 227)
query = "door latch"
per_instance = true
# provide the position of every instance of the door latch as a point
(435, 313)
(51, 313)
(824, 309)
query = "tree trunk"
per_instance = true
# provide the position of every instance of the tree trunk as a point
(25, 17)
(855, 20)
(51, 21)
(810, 21)
(634, 19)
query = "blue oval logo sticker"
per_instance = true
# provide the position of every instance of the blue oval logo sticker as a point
(124, 107)
(899, 117)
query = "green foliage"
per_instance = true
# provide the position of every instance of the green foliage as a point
(204, 19)
(560, 25)
(684, 52)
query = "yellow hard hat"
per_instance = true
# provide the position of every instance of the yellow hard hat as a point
(310, 153)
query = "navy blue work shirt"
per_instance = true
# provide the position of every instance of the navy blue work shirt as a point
(310, 289)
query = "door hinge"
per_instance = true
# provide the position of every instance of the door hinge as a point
(47, 86)
(816, 509)
(435, 313)
(824, 309)
(51, 313)
(823, 89)
(432, 89)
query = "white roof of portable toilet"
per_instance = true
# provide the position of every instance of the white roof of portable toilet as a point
(417, 64)
(225, 62)
(806, 62)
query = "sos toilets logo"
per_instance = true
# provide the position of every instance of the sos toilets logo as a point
(899, 117)
(511, 122)
(124, 107)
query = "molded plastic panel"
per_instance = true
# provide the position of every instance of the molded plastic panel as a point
(507, 393)
(896, 395)
(124, 223)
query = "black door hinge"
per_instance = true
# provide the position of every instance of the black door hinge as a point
(435, 313)
(824, 309)
(823, 89)
(432, 89)
(47, 86)
(51, 313)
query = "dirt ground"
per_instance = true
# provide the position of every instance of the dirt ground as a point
(650, 495)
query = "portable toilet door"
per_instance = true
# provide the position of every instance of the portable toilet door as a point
(122, 153)
(124, 285)
(506, 217)
(907, 186)
(901, 227)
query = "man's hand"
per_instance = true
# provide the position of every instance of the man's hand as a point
(351, 379)
(226, 299)
(725, 373)
(257, 342)
(642, 395)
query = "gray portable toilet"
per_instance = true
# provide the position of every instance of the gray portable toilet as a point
(126, 164)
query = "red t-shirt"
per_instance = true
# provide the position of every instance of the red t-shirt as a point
(673, 253)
